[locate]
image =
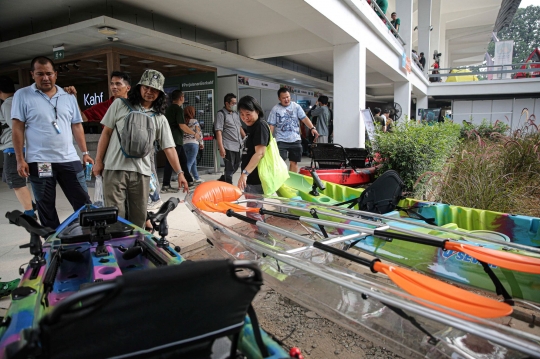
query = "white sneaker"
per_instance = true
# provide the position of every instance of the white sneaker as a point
(200, 180)
(154, 205)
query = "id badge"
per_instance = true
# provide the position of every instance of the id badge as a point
(44, 169)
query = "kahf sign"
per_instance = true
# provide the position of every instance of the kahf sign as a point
(503, 56)
(91, 100)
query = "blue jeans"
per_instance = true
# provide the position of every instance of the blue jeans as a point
(191, 150)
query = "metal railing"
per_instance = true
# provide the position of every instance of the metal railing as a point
(380, 13)
(482, 72)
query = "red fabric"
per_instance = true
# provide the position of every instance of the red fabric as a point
(96, 112)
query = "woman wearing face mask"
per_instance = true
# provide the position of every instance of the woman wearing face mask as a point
(192, 144)
(258, 137)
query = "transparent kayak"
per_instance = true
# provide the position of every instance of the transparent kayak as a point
(352, 295)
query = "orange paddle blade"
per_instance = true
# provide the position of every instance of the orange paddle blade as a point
(499, 258)
(444, 294)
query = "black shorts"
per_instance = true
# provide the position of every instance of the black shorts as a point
(291, 150)
(10, 174)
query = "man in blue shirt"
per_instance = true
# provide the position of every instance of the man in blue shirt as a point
(49, 118)
(284, 121)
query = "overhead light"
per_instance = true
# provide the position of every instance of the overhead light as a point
(146, 61)
(105, 30)
(76, 66)
(58, 47)
(170, 65)
(124, 65)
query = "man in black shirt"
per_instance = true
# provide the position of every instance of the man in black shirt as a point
(422, 60)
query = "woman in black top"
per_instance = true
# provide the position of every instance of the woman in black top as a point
(258, 137)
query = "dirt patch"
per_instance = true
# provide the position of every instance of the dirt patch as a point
(317, 337)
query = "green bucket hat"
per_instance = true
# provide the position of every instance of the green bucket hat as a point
(153, 78)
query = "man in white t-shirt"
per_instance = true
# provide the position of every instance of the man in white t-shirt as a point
(284, 121)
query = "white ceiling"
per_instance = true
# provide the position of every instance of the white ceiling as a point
(210, 22)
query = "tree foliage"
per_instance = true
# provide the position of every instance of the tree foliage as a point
(524, 30)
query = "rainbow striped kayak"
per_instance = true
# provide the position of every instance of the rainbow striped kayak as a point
(498, 231)
(74, 262)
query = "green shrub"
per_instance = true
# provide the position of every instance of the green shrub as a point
(413, 149)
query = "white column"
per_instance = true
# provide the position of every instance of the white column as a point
(434, 41)
(424, 23)
(421, 102)
(402, 95)
(349, 94)
(404, 10)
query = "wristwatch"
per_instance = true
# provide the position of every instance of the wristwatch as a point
(85, 153)
(311, 129)
(179, 173)
(246, 172)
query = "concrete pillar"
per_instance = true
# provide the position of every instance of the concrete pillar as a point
(424, 24)
(434, 41)
(113, 64)
(404, 10)
(421, 102)
(24, 77)
(402, 95)
(349, 94)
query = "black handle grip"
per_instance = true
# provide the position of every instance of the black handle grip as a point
(346, 255)
(279, 214)
(231, 213)
(405, 237)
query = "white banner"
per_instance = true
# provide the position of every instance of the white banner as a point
(244, 80)
(368, 122)
(503, 56)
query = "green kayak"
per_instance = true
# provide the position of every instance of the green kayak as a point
(458, 223)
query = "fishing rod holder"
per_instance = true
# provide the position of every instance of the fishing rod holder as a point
(36, 249)
(36, 231)
(317, 184)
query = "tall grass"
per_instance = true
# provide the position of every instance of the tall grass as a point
(499, 173)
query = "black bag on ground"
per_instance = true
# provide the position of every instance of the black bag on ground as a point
(139, 133)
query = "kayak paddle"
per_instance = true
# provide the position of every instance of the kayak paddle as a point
(414, 283)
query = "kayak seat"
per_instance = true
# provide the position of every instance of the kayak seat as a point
(328, 156)
(168, 312)
(383, 195)
(357, 157)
